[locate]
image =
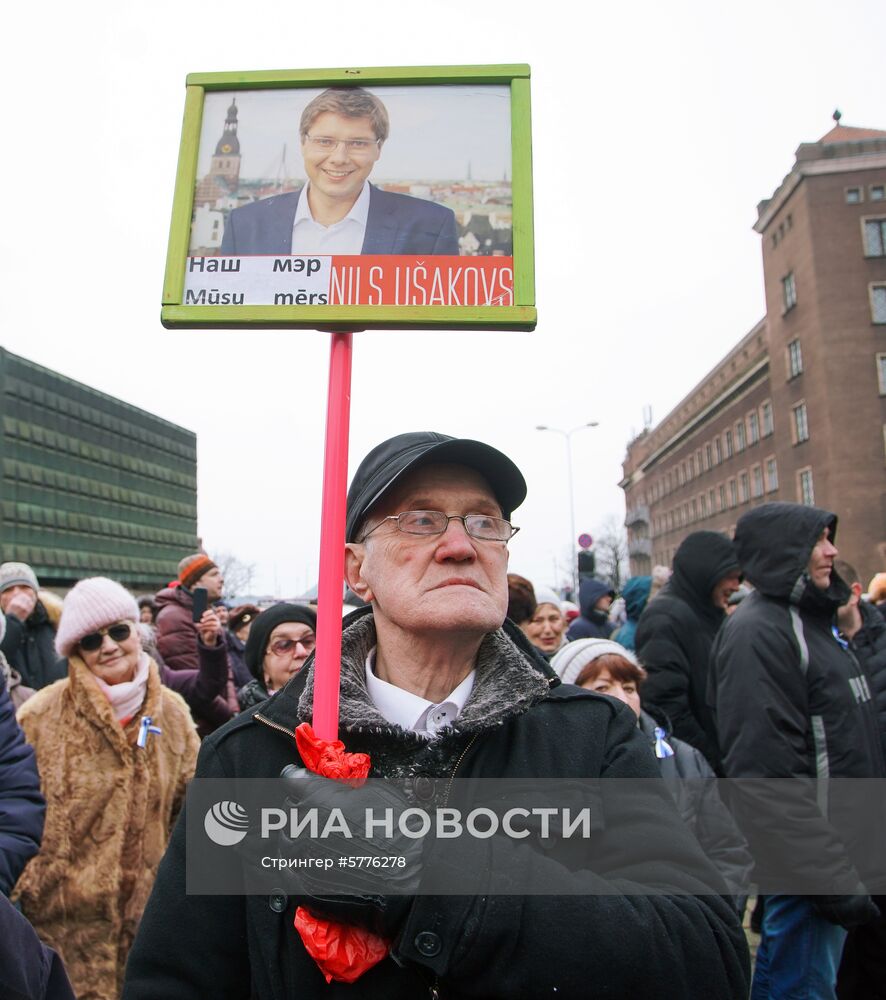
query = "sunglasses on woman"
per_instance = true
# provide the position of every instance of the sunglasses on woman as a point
(119, 633)
(280, 647)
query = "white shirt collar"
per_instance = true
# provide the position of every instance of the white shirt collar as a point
(411, 712)
(359, 212)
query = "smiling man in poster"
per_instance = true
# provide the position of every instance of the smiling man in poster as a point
(342, 132)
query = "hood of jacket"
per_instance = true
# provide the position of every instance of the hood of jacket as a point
(701, 561)
(590, 591)
(174, 595)
(774, 543)
(636, 593)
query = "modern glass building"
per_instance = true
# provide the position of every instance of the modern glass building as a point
(91, 485)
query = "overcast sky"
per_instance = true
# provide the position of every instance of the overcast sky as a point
(657, 129)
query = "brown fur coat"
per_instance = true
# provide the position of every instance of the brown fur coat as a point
(110, 807)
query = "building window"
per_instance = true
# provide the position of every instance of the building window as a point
(753, 427)
(795, 359)
(766, 412)
(881, 373)
(694, 509)
(877, 192)
(722, 492)
(875, 237)
(878, 303)
(703, 505)
(801, 423)
(728, 437)
(805, 492)
(718, 450)
(708, 457)
(771, 475)
(743, 488)
(711, 498)
(756, 481)
(740, 440)
(853, 196)
(692, 467)
(733, 493)
(789, 291)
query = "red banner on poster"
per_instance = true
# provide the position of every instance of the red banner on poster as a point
(422, 281)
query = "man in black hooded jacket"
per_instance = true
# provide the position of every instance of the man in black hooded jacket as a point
(675, 634)
(792, 702)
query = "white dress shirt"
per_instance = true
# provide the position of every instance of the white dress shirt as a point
(410, 711)
(344, 237)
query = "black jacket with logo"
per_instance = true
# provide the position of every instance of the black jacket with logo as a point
(793, 702)
(869, 646)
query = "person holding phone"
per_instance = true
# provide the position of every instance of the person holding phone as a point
(199, 584)
(115, 750)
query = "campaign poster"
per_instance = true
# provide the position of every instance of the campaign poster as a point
(353, 196)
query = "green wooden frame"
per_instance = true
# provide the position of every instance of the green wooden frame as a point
(520, 316)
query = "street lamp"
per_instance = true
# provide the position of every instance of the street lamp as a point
(572, 539)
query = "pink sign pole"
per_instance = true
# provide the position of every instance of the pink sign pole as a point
(327, 664)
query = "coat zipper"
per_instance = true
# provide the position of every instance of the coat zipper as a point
(274, 725)
(461, 757)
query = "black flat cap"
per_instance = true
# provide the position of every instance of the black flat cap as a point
(389, 461)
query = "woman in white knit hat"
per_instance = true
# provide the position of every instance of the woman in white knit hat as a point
(115, 750)
(604, 666)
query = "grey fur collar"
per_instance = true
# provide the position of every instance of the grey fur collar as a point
(506, 685)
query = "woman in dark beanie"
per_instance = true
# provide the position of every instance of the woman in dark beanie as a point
(280, 640)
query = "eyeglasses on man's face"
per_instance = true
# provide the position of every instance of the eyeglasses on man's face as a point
(354, 147)
(434, 522)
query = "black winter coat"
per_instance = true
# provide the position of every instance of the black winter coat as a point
(792, 702)
(30, 648)
(869, 646)
(694, 786)
(677, 946)
(674, 638)
(252, 694)
(22, 806)
(28, 969)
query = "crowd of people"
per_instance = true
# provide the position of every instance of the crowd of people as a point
(757, 657)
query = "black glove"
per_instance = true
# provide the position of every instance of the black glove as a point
(847, 911)
(362, 881)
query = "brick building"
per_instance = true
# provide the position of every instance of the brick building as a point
(91, 485)
(797, 410)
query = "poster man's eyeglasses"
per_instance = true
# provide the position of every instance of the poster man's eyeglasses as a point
(356, 147)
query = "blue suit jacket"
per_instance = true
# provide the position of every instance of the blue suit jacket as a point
(396, 224)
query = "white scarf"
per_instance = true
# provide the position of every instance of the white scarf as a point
(127, 697)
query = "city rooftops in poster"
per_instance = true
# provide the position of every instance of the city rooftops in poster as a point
(354, 199)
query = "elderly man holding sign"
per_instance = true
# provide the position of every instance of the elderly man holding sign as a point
(437, 686)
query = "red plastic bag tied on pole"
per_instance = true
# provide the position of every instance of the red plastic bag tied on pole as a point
(342, 952)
